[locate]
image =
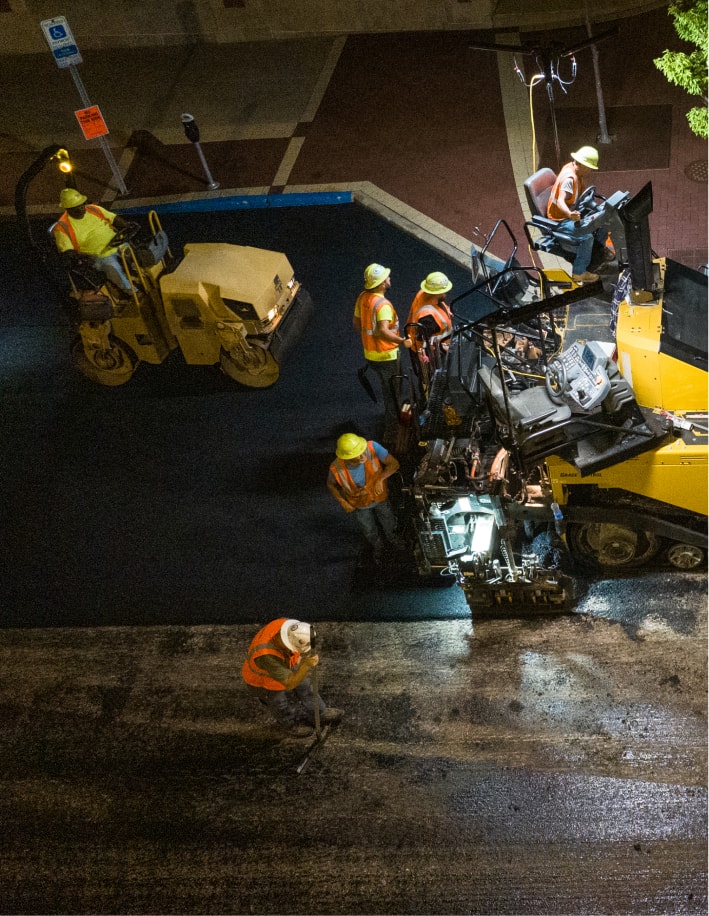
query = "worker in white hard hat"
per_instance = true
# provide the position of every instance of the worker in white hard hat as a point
(88, 229)
(376, 321)
(276, 672)
(357, 479)
(569, 186)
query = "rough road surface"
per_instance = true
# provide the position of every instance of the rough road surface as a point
(549, 766)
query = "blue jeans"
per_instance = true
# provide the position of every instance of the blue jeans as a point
(290, 707)
(112, 266)
(585, 245)
(375, 521)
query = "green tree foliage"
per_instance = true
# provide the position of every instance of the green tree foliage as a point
(689, 71)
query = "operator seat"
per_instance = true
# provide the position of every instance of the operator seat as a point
(538, 423)
(554, 240)
(538, 189)
(530, 409)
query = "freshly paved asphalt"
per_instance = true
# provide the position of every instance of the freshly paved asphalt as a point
(182, 497)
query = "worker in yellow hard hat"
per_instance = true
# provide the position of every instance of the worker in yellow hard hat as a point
(376, 321)
(88, 229)
(430, 310)
(569, 186)
(357, 480)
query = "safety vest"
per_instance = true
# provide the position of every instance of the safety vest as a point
(568, 171)
(64, 224)
(262, 644)
(359, 497)
(426, 305)
(374, 347)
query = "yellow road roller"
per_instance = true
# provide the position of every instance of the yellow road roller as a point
(222, 304)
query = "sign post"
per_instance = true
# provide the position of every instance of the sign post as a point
(67, 55)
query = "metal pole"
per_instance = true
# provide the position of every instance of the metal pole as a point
(212, 184)
(107, 151)
(603, 136)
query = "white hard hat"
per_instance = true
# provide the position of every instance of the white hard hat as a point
(296, 635)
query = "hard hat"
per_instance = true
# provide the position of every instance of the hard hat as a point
(350, 446)
(436, 284)
(296, 635)
(586, 155)
(70, 197)
(374, 275)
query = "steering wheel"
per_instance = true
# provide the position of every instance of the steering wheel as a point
(125, 235)
(585, 202)
(556, 380)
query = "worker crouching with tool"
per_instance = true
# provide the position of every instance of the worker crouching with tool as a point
(276, 673)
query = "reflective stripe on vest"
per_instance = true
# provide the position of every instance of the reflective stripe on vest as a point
(64, 224)
(262, 644)
(372, 343)
(568, 171)
(360, 497)
(424, 305)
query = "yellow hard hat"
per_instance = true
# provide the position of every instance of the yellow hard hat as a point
(374, 275)
(70, 197)
(436, 284)
(350, 446)
(586, 155)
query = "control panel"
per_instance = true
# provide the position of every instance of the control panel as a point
(579, 375)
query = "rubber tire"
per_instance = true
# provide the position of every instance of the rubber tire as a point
(586, 547)
(262, 374)
(125, 363)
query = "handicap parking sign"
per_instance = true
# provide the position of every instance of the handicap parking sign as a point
(61, 41)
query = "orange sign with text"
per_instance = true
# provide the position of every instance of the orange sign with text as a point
(91, 122)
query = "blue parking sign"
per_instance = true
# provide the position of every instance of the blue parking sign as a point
(61, 41)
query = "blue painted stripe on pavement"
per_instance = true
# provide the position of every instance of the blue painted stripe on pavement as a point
(247, 202)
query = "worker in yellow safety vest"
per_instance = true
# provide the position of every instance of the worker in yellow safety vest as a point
(88, 229)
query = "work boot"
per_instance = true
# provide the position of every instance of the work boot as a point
(585, 277)
(299, 731)
(331, 716)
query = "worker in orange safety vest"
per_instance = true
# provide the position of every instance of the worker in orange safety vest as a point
(569, 186)
(430, 310)
(376, 321)
(357, 479)
(275, 671)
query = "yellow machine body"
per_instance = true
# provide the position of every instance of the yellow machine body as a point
(654, 349)
(220, 289)
(230, 305)
(659, 380)
(675, 474)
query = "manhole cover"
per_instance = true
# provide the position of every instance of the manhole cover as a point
(697, 171)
